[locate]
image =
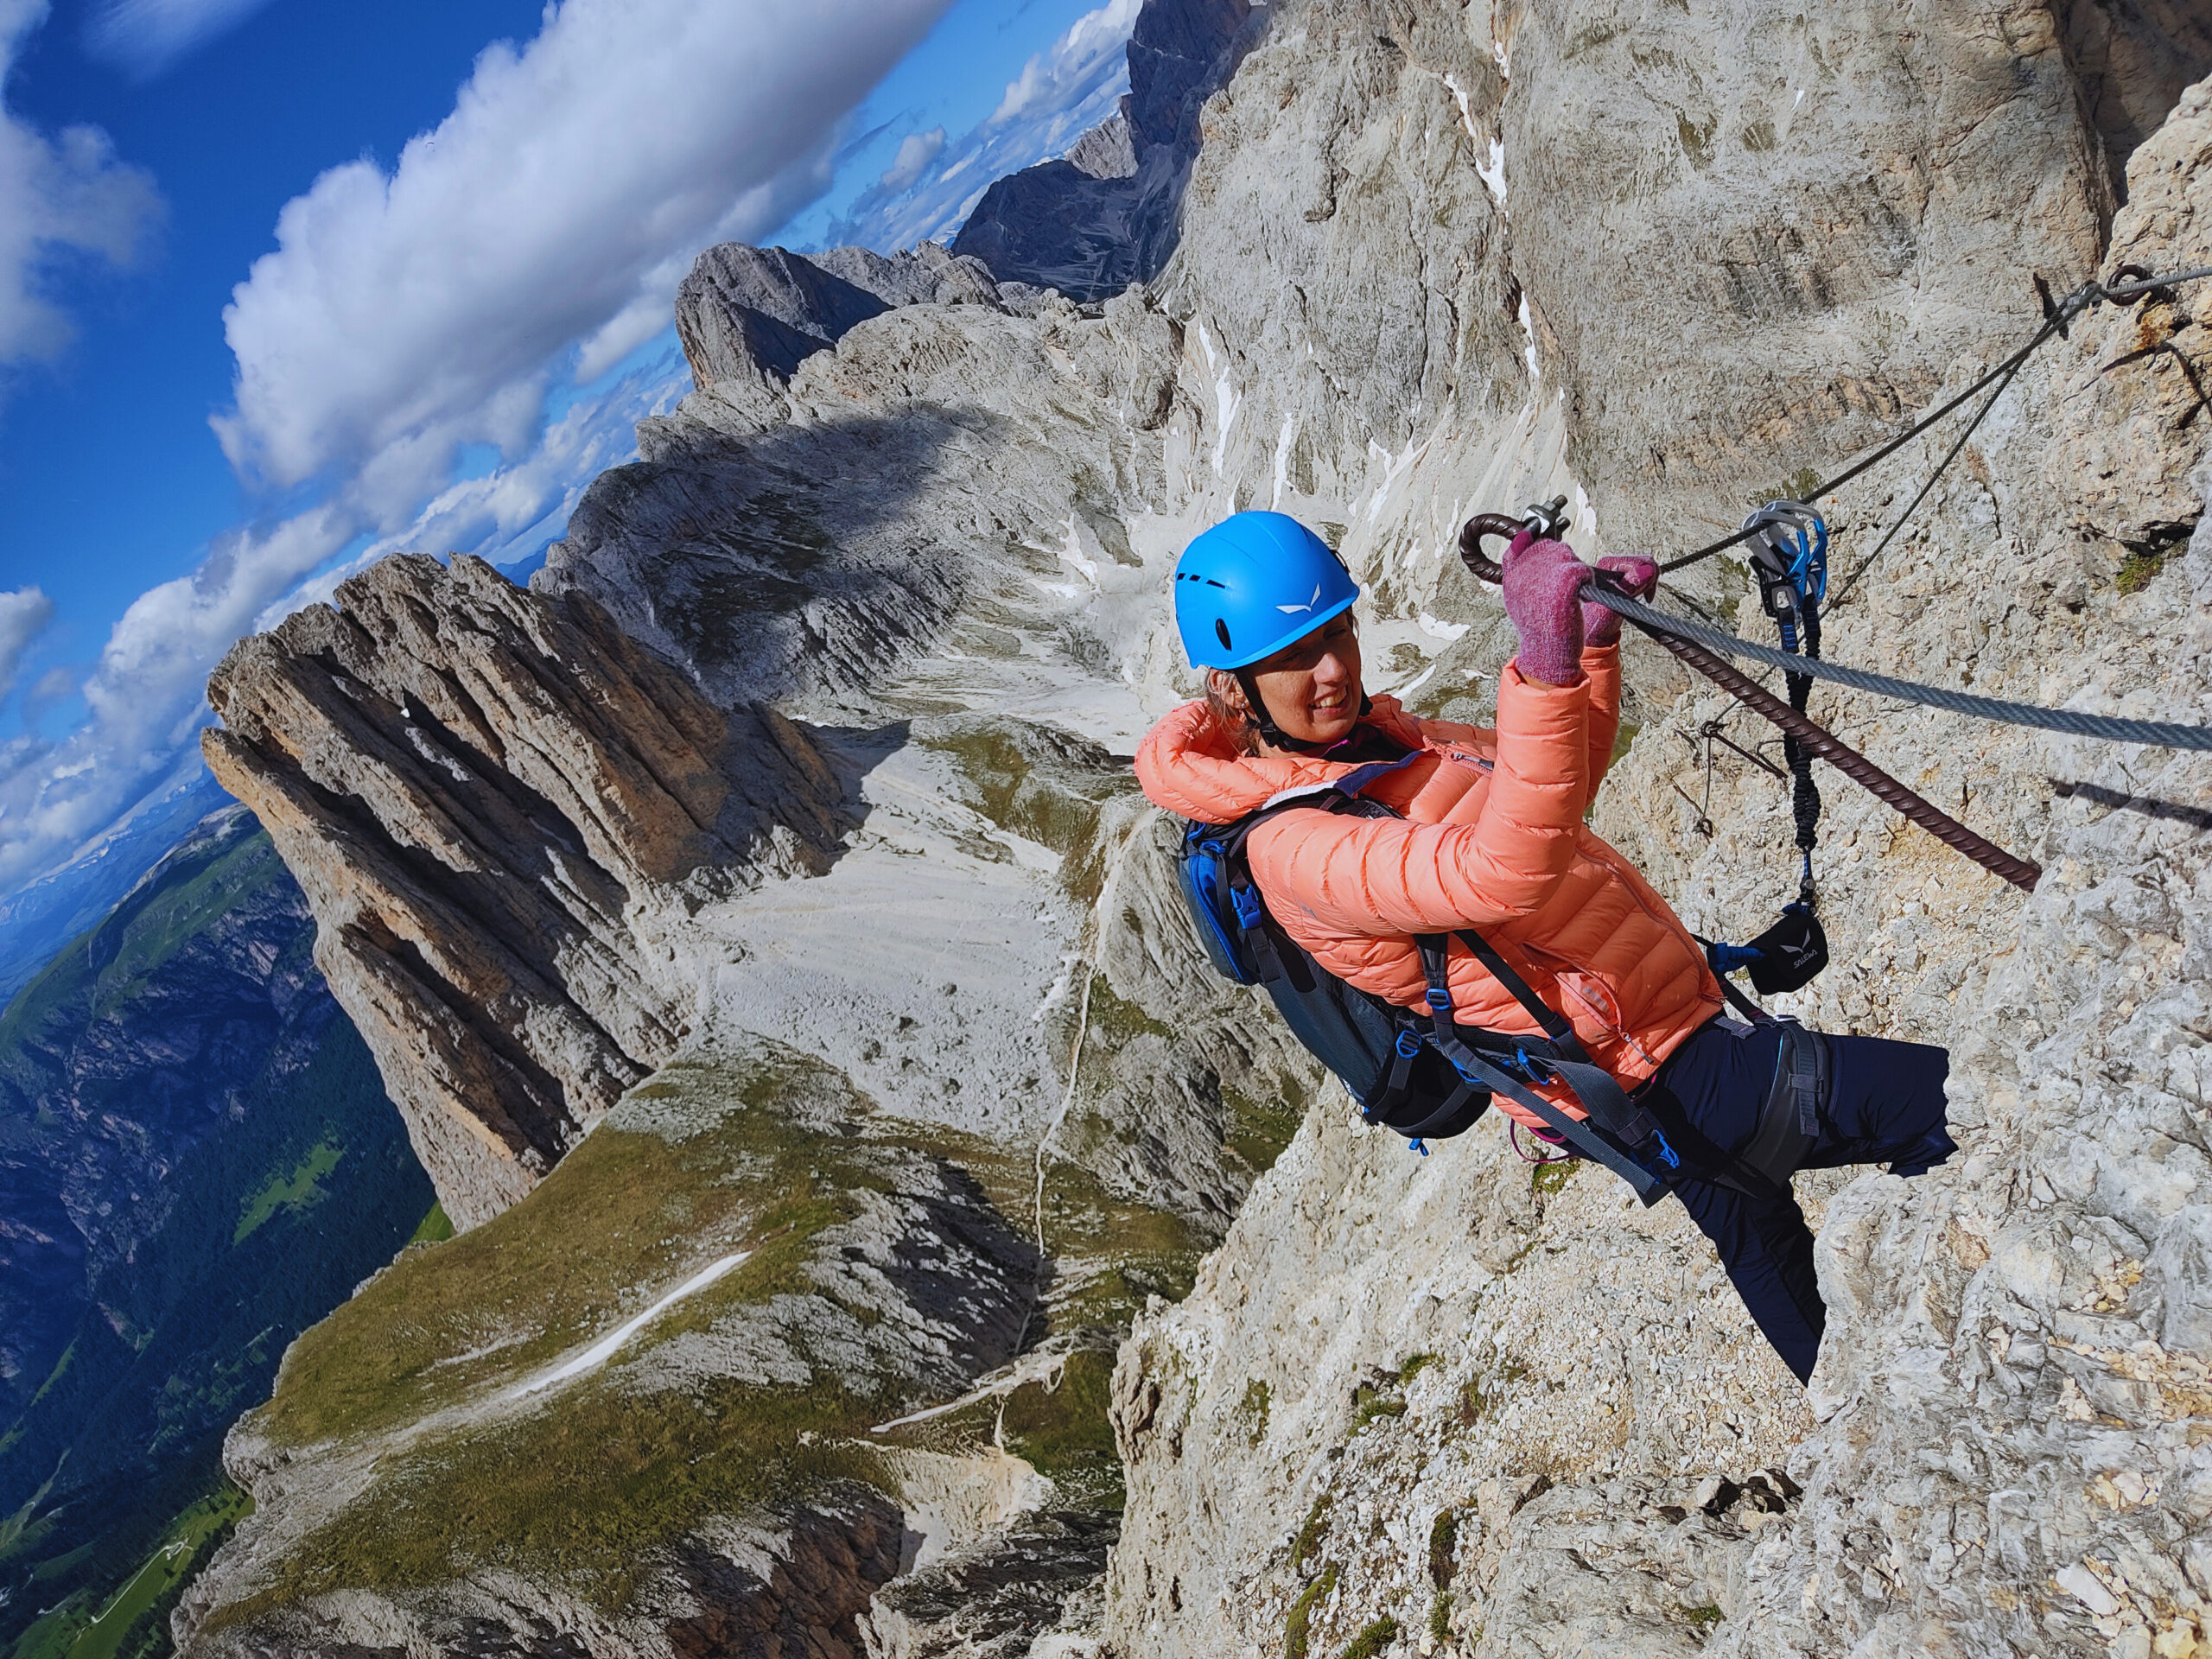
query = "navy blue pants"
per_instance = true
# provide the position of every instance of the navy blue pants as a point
(1885, 1104)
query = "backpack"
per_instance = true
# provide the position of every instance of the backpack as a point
(1427, 1079)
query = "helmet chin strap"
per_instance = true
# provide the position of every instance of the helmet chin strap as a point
(1264, 723)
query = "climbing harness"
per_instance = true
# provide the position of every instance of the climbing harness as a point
(1424, 1076)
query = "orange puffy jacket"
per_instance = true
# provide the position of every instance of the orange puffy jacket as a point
(1492, 838)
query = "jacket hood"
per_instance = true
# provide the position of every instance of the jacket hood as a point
(1188, 765)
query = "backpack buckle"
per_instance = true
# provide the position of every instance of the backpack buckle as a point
(1439, 1000)
(1408, 1043)
(1532, 1070)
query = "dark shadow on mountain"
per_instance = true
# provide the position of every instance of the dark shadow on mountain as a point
(852, 752)
(803, 559)
(2133, 60)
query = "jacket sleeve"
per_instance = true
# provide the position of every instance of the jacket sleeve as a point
(1601, 667)
(1371, 877)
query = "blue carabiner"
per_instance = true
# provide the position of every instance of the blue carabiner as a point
(1808, 571)
(1782, 523)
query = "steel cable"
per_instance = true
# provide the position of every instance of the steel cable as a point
(1695, 643)
(2021, 871)
(2159, 733)
(2059, 314)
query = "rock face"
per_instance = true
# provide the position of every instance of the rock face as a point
(1532, 1421)
(487, 798)
(1108, 150)
(748, 317)
(1432, 259)
(753, 311)
(1107, 213)
(945, 462)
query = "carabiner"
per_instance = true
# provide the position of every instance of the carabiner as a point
(1792, 578)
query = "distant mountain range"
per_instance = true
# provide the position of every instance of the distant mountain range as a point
(57, 908)
(197, 1161)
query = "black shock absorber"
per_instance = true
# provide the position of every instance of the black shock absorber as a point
(1790, 556)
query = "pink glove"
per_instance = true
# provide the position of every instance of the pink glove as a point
(1541, 581)
(1639, 575)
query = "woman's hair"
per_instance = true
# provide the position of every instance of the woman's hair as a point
(1242, 730)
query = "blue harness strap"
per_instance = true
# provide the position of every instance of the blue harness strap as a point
(1624, 1123)
(1617, 1132)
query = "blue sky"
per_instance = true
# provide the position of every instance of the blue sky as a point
(285, 284)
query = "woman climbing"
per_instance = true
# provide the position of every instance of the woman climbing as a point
(1467, 892)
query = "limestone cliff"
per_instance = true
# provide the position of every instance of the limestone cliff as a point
(939, 1057)
(1506, 1415)
(488, 798)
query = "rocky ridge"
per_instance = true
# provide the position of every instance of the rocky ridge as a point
(490, 800)
(936, 545)
(1108, 212)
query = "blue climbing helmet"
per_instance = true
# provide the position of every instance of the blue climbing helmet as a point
(1253, 583)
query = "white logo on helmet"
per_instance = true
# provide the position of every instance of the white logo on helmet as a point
(1293, 610)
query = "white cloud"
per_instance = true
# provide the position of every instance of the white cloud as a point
(23, 616)
(916, 151)
(1060, 94)
(143, 38)
(402, 316)
(513, 511)
(537, 235)
(62, 199)
(145, 696)
(145, 693)
(1093, 48)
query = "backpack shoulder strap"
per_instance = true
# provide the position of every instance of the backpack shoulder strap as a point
(1345, 794)
(1549, 1020)
(1616, 1122)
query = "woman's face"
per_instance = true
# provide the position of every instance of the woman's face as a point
(1311, 686)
